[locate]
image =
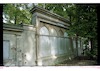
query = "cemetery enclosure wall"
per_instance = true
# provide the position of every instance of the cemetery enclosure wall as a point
(21, 46)
(54, 46)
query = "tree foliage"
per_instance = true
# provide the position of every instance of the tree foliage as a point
(16, 13)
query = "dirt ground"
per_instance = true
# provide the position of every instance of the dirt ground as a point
(79, 61)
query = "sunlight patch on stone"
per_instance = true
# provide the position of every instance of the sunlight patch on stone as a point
(40, 63)
(28, 57)
(31, 28)
(54, 57)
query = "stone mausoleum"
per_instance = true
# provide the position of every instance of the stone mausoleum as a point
(44, 42)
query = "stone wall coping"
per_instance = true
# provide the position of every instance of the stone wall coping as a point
(13, 27)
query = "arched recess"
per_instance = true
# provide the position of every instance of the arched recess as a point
(61, 42)
(61, 33)
(53, 32)
(44, 31)
(44, 45)
(54, 49)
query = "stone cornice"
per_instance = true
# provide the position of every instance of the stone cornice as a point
(46, 12)
(11, 27)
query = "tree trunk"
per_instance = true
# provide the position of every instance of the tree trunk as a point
(91, 45)
(15, 14)
(15, 19)
(77, 45)
(70, 20)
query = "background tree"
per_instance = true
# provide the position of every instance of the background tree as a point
(16, 13)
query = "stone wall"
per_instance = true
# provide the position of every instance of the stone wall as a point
(22, 46)
(45, 42)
